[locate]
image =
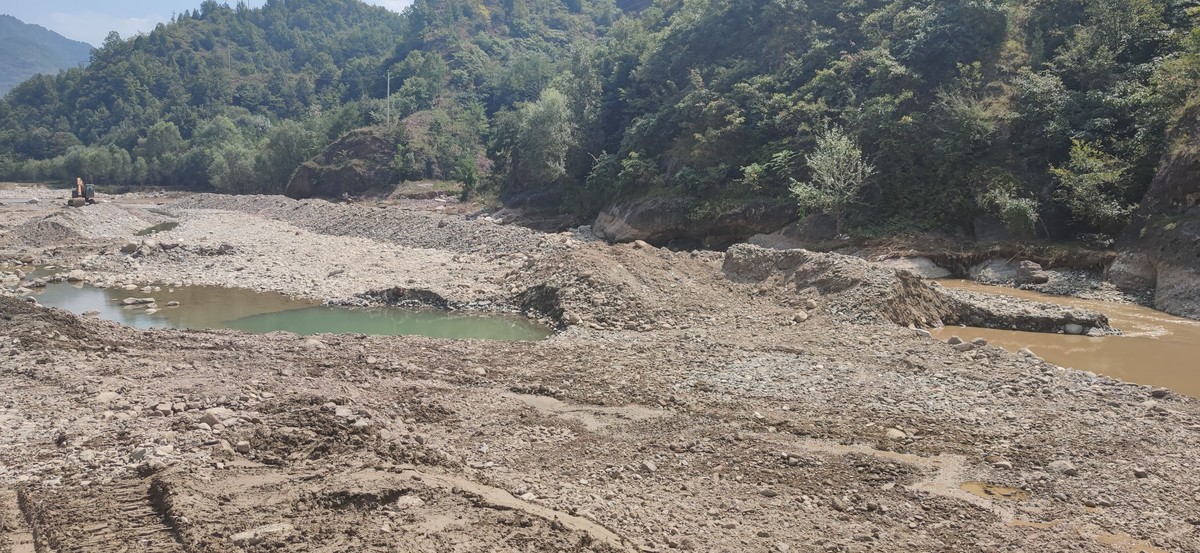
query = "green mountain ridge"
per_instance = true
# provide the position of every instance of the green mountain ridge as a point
(1047, 115)
(30, 50)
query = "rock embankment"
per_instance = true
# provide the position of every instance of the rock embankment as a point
(1008, 313)
(859, 291)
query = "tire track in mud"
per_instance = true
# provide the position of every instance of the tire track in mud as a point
(947, 480)
(15, 534)
(946, 471)
(496, 498)
(117, 517)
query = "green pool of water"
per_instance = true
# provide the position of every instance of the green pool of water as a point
(256, 312)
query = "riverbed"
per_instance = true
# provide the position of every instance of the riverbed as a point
(1154, 348)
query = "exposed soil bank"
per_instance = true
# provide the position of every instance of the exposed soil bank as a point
(692, 409)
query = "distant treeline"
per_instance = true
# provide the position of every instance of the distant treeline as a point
(1028, 110)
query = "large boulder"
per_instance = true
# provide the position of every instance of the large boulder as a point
(359, 161)
(1029, 272)
(662, 221)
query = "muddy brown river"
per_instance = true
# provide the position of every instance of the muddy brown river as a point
(1155, 349)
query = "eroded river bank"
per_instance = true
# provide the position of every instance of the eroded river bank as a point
(693, 401)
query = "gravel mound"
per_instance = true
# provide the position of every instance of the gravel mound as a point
(852, 288)
(98, 221)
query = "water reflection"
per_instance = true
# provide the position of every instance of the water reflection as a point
(260, 312)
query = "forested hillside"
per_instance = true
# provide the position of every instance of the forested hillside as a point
(1049, 114)
(27, 50)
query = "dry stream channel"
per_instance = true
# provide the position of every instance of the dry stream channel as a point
(1154, 348)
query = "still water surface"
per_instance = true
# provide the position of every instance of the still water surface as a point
(258, 312)
(1156, 348)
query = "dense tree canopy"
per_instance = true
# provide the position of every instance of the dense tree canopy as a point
(1028, 110)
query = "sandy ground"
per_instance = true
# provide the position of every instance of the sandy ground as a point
(684, 406)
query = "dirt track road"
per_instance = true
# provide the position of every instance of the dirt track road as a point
(681, 408)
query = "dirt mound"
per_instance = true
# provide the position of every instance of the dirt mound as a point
(51, 329)
(45, 232)
(852, 288)
(622, 287)
(99, 221)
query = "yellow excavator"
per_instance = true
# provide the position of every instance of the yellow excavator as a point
(83, 194)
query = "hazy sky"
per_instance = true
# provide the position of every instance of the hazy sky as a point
(91, 20)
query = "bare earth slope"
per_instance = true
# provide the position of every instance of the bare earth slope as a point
(684, 407)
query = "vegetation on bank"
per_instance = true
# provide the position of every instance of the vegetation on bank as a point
(1048, 114)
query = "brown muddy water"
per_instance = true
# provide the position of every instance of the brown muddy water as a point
(1156, 349)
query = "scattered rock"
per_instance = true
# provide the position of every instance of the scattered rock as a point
(262, 533)
(1063, 467)
(1029, 272)
(313, 343)
(216, 415)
